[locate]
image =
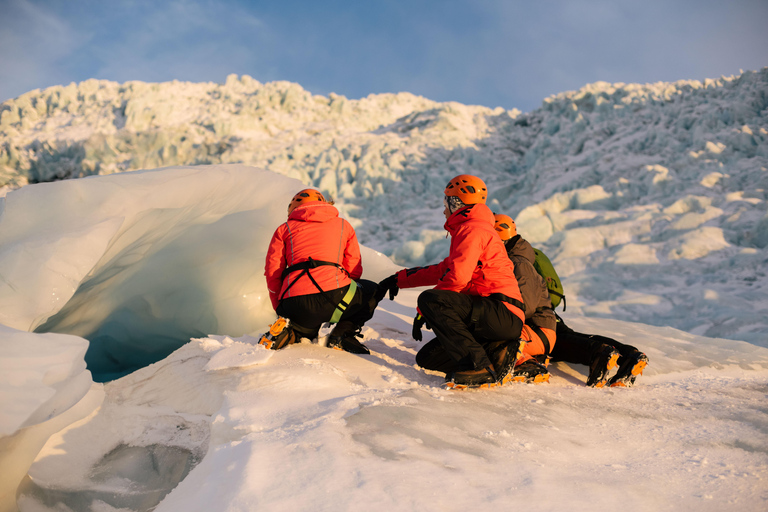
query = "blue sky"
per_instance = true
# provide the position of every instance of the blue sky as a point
(504, 53)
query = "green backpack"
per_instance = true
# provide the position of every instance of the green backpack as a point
(545, 268)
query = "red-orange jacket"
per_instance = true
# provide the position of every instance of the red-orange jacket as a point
(477, 263)
(316, 231)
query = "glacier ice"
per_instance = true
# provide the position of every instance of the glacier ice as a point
(598, 160)
(139, 263)
(44, 387)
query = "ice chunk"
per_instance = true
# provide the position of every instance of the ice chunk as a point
(138, 263)
(41, 376)
(44, 386)
(635, 254)
(239, 354)
(699, 243)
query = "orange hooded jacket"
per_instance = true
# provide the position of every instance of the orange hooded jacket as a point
(313, 230)
(477, 263)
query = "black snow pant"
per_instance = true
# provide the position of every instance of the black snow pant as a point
(466, 326)
(308, 313)
(579, 348)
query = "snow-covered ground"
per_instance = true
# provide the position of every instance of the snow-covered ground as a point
(309, 428)
(139, 261)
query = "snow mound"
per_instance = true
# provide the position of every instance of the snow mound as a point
(244, 351)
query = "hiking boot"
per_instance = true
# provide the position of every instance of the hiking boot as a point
(348, 343)
(504, 357)
(604, 361)
(482, 378)
(531, 371)
(280, 335)
(632, 366)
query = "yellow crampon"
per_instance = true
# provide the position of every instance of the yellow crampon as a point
(271, 340)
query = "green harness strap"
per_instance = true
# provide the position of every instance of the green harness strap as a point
(344, 304)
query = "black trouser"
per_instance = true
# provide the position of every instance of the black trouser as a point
(465, 326)
(308, 312)
(579, 348)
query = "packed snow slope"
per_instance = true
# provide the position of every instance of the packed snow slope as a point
(138, 260)
(224, 425)
(651, 199)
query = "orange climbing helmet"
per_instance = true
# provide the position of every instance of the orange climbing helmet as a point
(469, 189)
(305, 196)
(505, 226)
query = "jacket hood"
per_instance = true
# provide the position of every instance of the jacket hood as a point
(472, 212)
(519, 246)
(314, 212)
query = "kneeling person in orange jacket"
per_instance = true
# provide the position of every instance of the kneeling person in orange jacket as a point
(475, 308)
(313, 270)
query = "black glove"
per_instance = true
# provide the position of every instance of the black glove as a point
(418, 323)
(387, 285)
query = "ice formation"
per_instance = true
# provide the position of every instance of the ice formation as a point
(652, 188)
